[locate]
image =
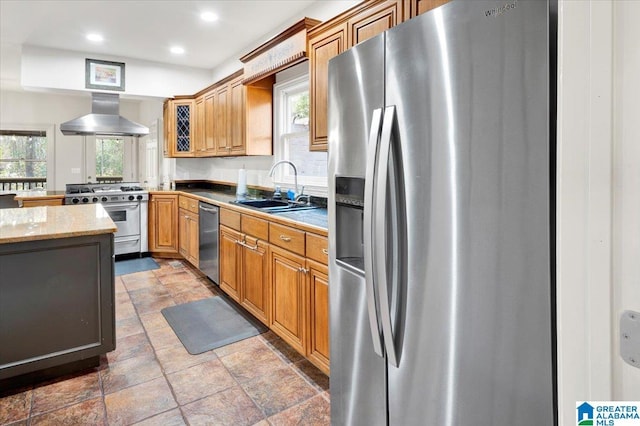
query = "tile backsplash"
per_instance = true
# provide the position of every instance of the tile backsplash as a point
(226, 169)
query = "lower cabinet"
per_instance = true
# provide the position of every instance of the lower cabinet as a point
(318, 341)
(244, 271)
(188, 235)
(279, 274)
(163, 223)
(255, 283)
(230, 256)
(289, 282)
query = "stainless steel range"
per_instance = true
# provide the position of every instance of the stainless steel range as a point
(125, 202)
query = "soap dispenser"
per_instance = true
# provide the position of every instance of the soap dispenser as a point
(277, 194)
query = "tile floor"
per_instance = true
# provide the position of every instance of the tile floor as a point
(150, 379)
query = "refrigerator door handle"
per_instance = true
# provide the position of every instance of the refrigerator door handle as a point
(381, 240)
(369, 192)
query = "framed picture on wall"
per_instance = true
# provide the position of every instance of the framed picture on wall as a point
(104, 75)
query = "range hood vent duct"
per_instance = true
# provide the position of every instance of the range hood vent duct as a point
(105, 119)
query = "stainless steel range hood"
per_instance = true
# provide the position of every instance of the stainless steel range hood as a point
(104, 119)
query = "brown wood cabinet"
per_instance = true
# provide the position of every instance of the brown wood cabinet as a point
(181, 130)
(236, 117)
(289, 283)
(255, 283)
(209, 145)
(418, 7)
(374, 20)
(323, 46)
(338, 34)
(167, 110)
(318, 345)
(226, 119)
(230, 258)
(199, 127)
(279, 274)
(243, 124)
(188, 227)
(163, 223)
(246, 278)
(188, 236)
(222, 108)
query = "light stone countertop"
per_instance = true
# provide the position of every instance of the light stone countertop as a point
(21, 195)
(50, 222)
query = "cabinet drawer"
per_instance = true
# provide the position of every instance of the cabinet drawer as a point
(230, 218)
(188, 203)
(253, 226)
(287, 238)
(317, 248)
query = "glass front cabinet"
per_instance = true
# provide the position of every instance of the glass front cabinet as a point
(180, 128)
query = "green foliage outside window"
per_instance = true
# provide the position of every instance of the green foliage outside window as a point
(109, 157)
(23, 155)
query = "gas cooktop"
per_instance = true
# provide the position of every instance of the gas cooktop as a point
(83, 193)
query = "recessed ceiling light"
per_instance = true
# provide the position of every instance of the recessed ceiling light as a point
(208, 16)
(95, 37)
(177, 50)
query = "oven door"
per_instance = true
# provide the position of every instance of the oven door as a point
(126, 216)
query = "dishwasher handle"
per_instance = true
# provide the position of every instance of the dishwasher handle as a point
(214, 210)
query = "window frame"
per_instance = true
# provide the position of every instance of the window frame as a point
(50, 134)
(283, 175)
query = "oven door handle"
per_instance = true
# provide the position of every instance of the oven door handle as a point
(127, 239)
(129, 206)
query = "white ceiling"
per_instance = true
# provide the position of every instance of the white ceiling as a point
(143, 29)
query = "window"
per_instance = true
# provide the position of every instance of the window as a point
(109, 158)
(292, 139)
(23, 159)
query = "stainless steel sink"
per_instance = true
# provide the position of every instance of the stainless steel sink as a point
(273, 206)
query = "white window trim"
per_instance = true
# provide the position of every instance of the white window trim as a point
(51, 148)
(130, 158)
(312, 186)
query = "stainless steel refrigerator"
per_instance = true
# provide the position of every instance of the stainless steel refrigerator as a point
(440, 218)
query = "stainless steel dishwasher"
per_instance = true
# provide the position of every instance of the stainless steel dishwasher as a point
(208, 233)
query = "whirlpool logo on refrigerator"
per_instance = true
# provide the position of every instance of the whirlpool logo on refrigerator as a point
(608, 413)
(497, 11)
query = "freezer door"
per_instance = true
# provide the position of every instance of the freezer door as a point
(469, 82)
(358, 375)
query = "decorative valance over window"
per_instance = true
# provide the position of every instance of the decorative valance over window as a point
(282, 51)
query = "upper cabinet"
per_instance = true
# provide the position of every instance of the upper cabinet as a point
(418, 7)
(226, 119)
(374, 20)
(323, 46)
(179, 128)
(338, 34)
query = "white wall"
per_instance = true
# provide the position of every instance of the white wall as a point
(320, 10)
(226, 169)
(598, 198)
(142, 78)
(28, 109)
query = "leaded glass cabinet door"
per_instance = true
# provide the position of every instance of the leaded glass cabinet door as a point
(183, 143)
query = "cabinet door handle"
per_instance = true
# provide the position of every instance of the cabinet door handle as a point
(303, 270)
(285, 238)
(325, 251)
(252, 248)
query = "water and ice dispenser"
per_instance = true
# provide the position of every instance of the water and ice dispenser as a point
(349, 222)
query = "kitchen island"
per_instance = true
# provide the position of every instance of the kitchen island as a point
(57, 309)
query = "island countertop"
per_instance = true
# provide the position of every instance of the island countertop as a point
(50, 222)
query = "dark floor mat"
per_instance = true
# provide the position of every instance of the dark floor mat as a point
(135, 265)
(211, 323)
